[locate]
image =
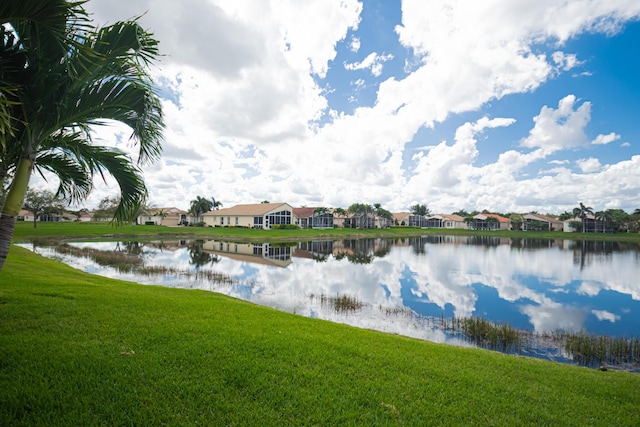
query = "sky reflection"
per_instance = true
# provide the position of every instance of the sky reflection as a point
(535, 285)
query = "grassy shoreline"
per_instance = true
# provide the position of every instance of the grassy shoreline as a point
(77, 349)
(80, 349)
(25, 232)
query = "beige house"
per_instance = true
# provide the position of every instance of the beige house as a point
(25, 215)
(401, 218)
(259, 215)
(170, 217)
(490, 222)
(85, 216)
(446, 221)
(531, 221)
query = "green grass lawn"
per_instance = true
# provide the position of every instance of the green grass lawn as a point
(25, 231)
(77, 349)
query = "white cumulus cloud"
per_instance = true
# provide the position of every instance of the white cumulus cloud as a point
(605, 139)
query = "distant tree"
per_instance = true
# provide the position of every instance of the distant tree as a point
(581, 212)
(42, 203)
(419, 209)
(633, 224)
(565, 216)
(340, 211)
(200, 205)
(364, 211)
(605, 218)
(79, 213)
(384, 214)
(107, 207)
(264, 202)
(462, 212)
(516, 221)
(492, 223)
(215, 204)
(620, 219)
(469, 220)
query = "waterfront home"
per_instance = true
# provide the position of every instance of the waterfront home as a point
(313, 218)
(170, 217)
(487, 221)
(539, 222)
(446, 221)
(258, 215)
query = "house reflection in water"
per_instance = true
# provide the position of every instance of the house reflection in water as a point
(260, 253)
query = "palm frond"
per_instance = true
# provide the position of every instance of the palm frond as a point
(75, 180)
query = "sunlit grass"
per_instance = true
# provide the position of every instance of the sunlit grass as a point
(77, 349)
(25, 232)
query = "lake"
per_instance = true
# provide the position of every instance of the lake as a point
(404, 286)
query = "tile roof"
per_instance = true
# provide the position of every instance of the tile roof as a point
(498, 217)
(303, 212)
(543, 218)
(248, 209)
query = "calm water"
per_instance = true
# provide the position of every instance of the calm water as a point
(534, 285)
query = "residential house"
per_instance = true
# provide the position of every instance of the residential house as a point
(489, 222)
(539, 222)
(85, 216)
(259, 215)
(339, 220)
(401, 218)
(25, 215)
(361, 220)
(170, 217)
(446, 221)
(309, 218)
(418, 221)
(588, 224)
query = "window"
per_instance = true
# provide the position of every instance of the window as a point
(282, 217)
(236, 220)
(221, 220)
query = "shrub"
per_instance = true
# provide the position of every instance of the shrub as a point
(284, 227)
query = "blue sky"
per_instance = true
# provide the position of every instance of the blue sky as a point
(511, 106)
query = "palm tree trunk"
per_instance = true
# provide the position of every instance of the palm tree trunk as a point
(12, 206)
(7, 225)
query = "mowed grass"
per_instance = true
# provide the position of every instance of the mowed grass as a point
(25, 232)
(77, 349)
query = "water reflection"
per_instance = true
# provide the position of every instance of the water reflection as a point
(532, 284)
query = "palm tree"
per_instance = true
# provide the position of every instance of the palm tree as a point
(582, 211)
(341, 212)
(604, 217)
(200, 205)
(421, 210)
(215, 204)
(60, 76)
